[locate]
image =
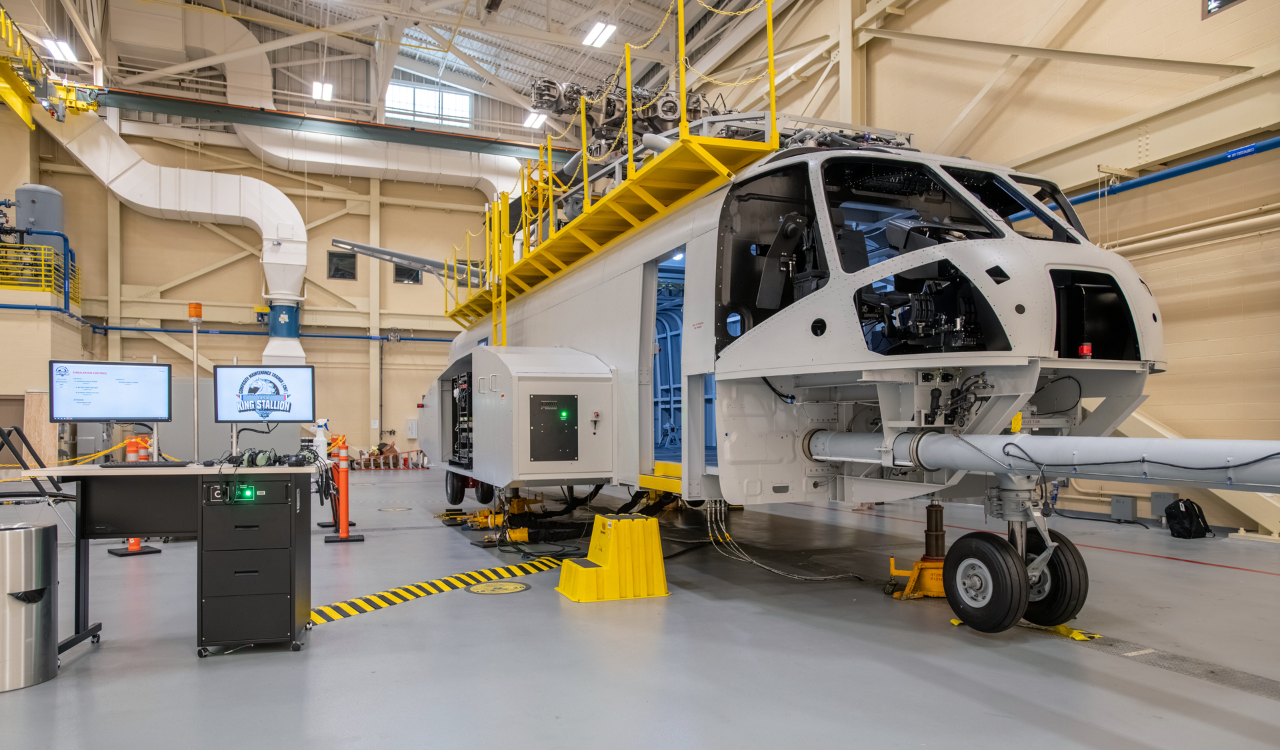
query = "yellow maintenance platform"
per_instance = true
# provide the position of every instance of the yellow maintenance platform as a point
(692, 167)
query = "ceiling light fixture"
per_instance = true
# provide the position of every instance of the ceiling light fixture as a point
(322, 91)
(534, 120)
(599, 34)
(61, 51)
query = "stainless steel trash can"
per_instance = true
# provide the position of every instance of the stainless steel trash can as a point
(28, 604)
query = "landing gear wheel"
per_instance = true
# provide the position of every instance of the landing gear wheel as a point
(1058, 594)
(455, 487)
(484, 493)
(986, 583)
(202, 652)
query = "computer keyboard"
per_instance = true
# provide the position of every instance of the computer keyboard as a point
(143, 464)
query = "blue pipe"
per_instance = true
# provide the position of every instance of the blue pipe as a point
(1167, 174)
(49, 308)
(1189, 167)
(68, 260)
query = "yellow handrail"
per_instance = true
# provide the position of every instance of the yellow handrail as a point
(540, 188)
(36, 268)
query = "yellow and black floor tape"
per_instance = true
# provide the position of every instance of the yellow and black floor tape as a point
(401, 594)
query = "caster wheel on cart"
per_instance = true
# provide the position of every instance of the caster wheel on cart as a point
(484, 493)
(1058, 594)
(295, 646)
(95, 638)
(202, 652)
(455, 486)
(309, 626)
(986, 583)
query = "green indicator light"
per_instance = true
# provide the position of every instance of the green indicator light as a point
(244, 492)
(564, 414)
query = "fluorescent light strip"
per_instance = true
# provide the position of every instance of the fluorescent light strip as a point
(599, 34)
(534, 120)
(52, 46)
(604, 35)
(68, 54)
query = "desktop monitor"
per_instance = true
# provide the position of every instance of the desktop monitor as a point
(109, 392)
(264, 393)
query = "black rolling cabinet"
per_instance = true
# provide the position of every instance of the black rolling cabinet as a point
(255, 560)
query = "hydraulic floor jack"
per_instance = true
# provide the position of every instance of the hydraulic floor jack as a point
(925, 577)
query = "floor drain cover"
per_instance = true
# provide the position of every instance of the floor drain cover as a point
(498, 587)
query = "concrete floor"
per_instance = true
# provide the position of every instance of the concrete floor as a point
(736, 657)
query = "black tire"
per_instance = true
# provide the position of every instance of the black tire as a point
(295, 646)
(455, 487)
(1057, 596)
(484, 493)
(996, 596)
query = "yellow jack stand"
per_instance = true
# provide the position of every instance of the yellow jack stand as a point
(624, 562)
(925, 579)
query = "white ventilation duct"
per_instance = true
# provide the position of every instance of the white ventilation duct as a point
(190, 195)
(249, 81)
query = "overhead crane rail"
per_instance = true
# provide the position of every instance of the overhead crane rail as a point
(26, 79)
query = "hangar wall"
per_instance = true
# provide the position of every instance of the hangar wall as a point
(155, 252)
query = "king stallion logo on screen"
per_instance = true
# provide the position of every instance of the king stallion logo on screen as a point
(264, 393)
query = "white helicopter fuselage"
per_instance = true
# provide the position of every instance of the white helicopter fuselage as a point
(960, 294)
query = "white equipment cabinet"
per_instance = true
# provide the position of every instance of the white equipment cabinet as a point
(539, 416)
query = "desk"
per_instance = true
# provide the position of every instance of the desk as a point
(163, 501)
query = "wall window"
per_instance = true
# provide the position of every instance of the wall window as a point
(429, 105)
(407, 275)
(1214, 7)
(342, 265)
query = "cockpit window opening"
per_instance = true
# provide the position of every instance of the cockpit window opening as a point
(1050, 196)
(881, 209)
(770, 250)
(1020, 211)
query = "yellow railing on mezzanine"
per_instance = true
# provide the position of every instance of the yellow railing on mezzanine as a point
(36, 268)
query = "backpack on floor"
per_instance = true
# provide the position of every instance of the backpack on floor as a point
(1186, 520)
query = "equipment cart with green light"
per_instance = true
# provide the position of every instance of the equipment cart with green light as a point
(253, 581)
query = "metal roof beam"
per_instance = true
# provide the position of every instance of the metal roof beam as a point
(499, 29)
(1087, 58)
(500, 89)
(281, 43)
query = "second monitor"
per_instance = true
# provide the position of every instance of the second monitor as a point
(264, 393)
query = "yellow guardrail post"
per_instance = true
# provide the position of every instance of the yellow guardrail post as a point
(773, 85)
(504, 248)
(684, 96)
(524, 209)
(551, 194)
(586, 182)
(541, 174)
(631, 151)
